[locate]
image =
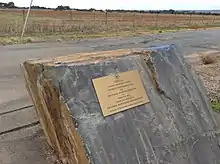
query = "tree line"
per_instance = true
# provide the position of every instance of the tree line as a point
(7, 5)
(62, 8)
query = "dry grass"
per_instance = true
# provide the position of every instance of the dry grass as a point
(208, 59)
(76, 23)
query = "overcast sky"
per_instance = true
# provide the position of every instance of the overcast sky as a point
(127, 4)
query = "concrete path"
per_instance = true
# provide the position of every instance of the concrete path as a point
(21, 139)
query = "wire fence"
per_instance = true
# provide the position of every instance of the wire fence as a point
(56, 22)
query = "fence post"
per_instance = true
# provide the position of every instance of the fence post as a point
(156, 23)
(26, 19)
(116, 27)
(133, 21)
(23, 14)
(71, 16)
(203, 19)
(214, 19)
(94, 15)
(190, 19)
(106, 20)
(175, 17)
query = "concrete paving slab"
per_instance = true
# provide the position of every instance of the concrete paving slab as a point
(17, 119)
(13, 93)
(26, 146)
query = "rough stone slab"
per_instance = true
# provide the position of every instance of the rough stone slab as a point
(176, 127)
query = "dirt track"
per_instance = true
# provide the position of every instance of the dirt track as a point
(27, 146)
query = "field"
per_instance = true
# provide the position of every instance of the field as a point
(76, 23)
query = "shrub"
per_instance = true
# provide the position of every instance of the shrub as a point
(208, 59)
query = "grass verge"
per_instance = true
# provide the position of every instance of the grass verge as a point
(137, 31)
(33, 38)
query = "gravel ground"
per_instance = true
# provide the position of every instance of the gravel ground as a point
(209, 73)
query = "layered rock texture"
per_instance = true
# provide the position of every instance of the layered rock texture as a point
(175, 127)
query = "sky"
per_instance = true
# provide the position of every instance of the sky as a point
(125, 4)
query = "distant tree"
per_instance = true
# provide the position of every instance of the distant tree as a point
(92, 9)
(171, 11)
(11, 5)
(2, 5)
(7, 5)
(62, 8)
(38, 7)
(67, 8)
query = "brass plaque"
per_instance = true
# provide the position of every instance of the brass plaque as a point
(120, 92)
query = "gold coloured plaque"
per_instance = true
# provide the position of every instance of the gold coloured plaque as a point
(120, 92)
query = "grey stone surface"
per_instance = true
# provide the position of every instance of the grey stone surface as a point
(176, 127)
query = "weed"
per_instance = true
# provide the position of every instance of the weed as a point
(208, 59)
(216, 105)
(59, 40)
(29, 40)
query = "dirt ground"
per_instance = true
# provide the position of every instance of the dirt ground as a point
(209, 73)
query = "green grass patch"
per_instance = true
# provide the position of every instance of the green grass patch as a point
(216, 106)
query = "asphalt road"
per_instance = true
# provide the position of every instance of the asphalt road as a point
(25, 146)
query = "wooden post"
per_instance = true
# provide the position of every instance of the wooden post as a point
(116, 27)
(23, 15)
(175, 18)
(71, 19)
(203, 19)
(26, 19)
(213, 20)
(94, 16)
(71, 16)
(190, 19)
(134, 21)
(106, 20)
(156, 23)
